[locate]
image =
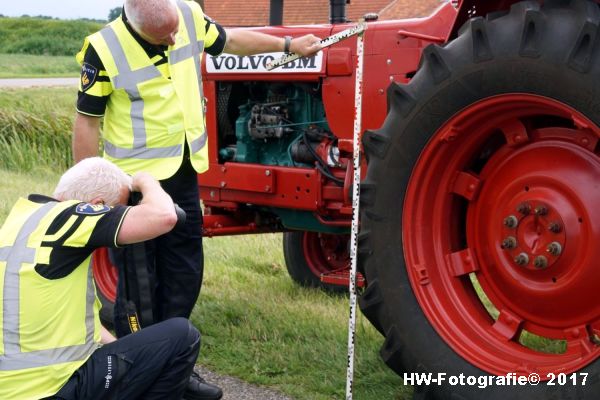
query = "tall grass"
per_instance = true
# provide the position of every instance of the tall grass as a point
(35, 129)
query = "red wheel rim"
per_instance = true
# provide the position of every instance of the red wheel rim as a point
(504, 194)
(325, 253)
(105, 274)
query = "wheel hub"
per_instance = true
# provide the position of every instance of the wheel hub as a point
(533, 240)
(325, 252)
(528, 223)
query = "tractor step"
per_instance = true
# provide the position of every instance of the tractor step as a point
(342, 278)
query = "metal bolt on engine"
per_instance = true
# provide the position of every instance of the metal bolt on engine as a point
(554, 248)
(509, 243)
(554, 227)
(541, 210)
(511, 221)
(540, 262)
(524, 208)
(522, 259)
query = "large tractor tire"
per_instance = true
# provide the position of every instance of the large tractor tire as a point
(106, 277)
(308, 255)
(481, 208)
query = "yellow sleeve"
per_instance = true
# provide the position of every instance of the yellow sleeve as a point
(212, 33)
(79, 56)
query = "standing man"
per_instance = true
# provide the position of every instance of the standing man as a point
(142, 74)
(50, 332)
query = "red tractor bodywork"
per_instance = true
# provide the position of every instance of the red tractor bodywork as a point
(392, 53)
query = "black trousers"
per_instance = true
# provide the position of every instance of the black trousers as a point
(175, 259)
(153, 363)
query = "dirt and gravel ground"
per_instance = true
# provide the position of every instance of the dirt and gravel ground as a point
(235, 389)
(38, 82)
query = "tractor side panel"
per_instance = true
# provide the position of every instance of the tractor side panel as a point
(392, 53)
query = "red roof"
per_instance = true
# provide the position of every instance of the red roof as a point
(400, 9)
(300, 12)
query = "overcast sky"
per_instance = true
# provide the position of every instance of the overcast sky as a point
(65, 9)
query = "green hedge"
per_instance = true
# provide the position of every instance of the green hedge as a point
(42, 36)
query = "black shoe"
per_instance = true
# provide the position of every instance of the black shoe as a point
(199, 389)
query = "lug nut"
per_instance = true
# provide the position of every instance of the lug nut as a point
(541, 210)
(554, 248)
(522, 259)
(554, 227)
(540, 262)
(524, 208)
(509, 243)
(511, 221)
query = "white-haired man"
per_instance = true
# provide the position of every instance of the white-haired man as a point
(142, 74)
(50, 332)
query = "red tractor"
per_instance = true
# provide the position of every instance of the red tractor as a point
(482, 185)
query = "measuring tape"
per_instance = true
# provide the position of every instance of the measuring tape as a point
(355, 30)
(328, 41)
(355, 205)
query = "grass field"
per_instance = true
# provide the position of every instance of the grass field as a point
(260, 326)
(34, 66)
(15, 184)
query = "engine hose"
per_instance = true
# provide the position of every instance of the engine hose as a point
(321, 165)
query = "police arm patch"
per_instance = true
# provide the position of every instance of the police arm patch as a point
(89, 73)
(91, 209)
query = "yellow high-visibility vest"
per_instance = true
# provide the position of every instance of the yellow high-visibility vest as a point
(48, 328)
(149, 118)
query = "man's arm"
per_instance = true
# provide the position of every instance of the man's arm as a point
(154, 216)
(244, 42)
(105, 336)
(86, 132)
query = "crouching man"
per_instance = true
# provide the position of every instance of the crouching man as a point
(51, 342)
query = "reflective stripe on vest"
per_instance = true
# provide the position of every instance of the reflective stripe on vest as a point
(15, 256)
(127, 79)
(192, 49)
